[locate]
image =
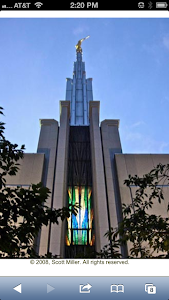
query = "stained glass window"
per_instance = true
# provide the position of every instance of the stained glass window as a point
(80, 227)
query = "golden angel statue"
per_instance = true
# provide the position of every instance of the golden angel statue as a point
(78, 46)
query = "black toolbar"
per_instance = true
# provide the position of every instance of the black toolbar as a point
(85, 6)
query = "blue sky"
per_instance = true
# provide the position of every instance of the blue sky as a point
(128, 60)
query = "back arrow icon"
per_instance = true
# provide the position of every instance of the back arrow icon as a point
(18, 288)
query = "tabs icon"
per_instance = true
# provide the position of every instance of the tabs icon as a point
(150, 288)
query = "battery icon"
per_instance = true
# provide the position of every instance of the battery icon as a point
(161, 4)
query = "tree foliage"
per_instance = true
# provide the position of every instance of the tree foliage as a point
(22, 211)
(146, 233)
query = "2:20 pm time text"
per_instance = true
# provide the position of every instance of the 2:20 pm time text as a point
(83, 5)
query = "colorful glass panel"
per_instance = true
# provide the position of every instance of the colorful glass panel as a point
(80, 227)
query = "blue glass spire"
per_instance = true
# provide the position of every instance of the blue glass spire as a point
(79, 91)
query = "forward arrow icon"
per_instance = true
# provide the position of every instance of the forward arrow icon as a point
(50, 288)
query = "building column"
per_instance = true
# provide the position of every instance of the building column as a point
(57, 234)
(99, 191)
(111, 145)
(47, 145)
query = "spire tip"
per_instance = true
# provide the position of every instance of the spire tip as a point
(78, 46)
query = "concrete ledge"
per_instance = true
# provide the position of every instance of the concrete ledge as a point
(111, 122)
(47, 122)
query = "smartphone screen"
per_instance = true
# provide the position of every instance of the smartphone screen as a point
(84, 150)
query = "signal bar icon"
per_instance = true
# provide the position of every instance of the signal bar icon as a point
(38, 4)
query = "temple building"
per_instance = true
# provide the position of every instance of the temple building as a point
(81, 161)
